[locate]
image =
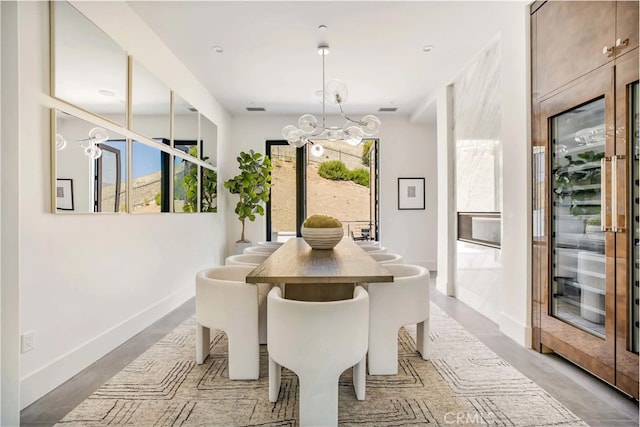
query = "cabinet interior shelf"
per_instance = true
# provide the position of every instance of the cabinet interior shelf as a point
(570, 281)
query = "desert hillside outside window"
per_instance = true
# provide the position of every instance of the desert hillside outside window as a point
(342, 183)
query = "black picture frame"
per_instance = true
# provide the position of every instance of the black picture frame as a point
(64, 194)
(411, 193)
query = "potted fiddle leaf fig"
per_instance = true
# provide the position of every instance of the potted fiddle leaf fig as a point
(252, 185)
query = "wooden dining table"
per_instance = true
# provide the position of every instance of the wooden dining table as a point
(308, 274)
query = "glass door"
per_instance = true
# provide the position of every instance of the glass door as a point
(341, 182)
(578, 270)
(283, 203)
(578, 313)
(626, 222)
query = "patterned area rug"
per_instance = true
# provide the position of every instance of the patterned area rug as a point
(464, 383)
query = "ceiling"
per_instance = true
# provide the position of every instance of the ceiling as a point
(270, 59)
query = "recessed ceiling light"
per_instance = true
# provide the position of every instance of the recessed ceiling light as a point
(106, 92)
(217, 49)
(427, 48)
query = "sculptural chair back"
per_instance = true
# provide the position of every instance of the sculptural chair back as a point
(374, 249)
(263, 288)
(270, 243)
(367, 242)
(386, 258)
(224, 301)
(246, 259)
(318, 341)
(405, 301)
(268, 250)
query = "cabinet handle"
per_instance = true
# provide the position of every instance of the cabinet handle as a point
(614, 194)
(603, 194)
(608, 51)
(622, 43)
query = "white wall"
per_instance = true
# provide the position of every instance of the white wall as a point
(90, 282)
(512, 302)
(10, 214)
(406, 150)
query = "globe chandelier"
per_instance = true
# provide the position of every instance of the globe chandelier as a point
(310, 131)
(97, 136)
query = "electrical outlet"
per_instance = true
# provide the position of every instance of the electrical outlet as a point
(27, 341)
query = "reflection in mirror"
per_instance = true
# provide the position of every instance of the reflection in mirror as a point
(90, 167)
(150, 178)
(185, 184)
(185, 121)
(90, 68)
(150, 104)
(209, 190)
(209, 137)
(209, 177)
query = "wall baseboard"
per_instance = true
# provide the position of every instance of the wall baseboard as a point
(515, 330)
(42, 381)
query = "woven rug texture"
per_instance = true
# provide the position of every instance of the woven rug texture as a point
(463, 383)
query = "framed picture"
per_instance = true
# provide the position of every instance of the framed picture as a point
(64, 194)
(410, 193)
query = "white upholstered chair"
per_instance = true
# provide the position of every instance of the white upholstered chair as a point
(318, 341)
(254, 260)
(224, 301)
(268, 250)
(393, 305)
(246, 259)
(386, 258)
(374, 249)
(270, 243)
(367, 243)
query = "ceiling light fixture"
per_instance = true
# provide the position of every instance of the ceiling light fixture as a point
(217, 49)
(334, 91)
(97, 136)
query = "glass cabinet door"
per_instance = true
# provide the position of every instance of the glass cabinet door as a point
(578, 243)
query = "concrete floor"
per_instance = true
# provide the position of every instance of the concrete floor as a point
(594, 401)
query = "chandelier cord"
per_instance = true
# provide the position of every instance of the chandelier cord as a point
(323, 98)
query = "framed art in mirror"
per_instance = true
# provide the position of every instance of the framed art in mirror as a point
(64, 194)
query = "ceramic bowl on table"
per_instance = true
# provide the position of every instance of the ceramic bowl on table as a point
(322, 238)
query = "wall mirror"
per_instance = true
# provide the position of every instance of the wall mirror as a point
(90, 167)
(89, 68)
(186, 125)
(185, 185)
(209, 138)
(150, 178)
(208, 177)
(150, 103)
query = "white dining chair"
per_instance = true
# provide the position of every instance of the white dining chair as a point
(318, 341)
(395, 304)
(374, 249)
(269, 243)
(246, 259)
(224, 301)
(367, 242)
(263, 288)
(268, 250)
(386, 258)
